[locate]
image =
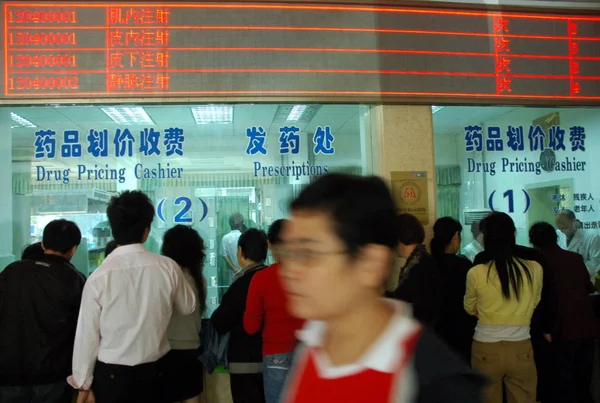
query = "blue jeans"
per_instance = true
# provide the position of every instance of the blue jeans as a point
(275, 370)
(59, 392)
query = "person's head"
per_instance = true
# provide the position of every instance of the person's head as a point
(337, 247)
(186, 247)
(130, 215)
(274, 237)
(446, 237)
(110, 246)
(252, 247)
(567, 223)
(32, 251)
(410, 234)
(499, 241)
(61, 237)
(476, 230)
(236, 222)
(543, 236)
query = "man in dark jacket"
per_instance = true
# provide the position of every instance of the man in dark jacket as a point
(39, 306)
(544, 320)
(573, 338)
(245, 351)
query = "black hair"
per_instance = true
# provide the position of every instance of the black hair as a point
(61, 236)
(130, 213)
(32, 251)
(543, 235)
(186, 247)
(274, 233)
(444, 230)
(362, 209)
(253, 244)
(499, 242)
(110, 246)
(409, 229)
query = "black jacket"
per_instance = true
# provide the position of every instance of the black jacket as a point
(443, 377)
(39, 306)
(422, 288)
(229, 318)
(545, 316)
(455, 325)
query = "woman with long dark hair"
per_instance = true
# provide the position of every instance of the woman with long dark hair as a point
(183, 371)
(503, 294)
(454, 325)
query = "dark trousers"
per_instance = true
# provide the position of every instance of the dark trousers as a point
(574, 370)
(544, 364)
(124, 384)
(59, 392)
(246, 388)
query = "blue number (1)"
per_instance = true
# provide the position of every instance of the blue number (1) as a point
(180, 218)
(511, 201)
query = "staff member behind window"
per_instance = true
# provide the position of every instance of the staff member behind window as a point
(245, 351)
(577, 328)
(585, 242)
(39, 305)
(125, 310)
(229, 245)
(502, 294)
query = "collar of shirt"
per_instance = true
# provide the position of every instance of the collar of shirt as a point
(122, 250)
(382, 356)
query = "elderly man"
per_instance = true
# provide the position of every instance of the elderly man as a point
(581, 241)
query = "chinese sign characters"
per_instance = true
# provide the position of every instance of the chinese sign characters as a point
(515, 138)
(121, 143)
(289, 140)
(495, 139)
(289, 144)
(583, 203)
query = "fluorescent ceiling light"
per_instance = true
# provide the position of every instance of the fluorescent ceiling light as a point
(20, 121)
(212, 114)
(435, 109)
(296, 113)
(128, 115)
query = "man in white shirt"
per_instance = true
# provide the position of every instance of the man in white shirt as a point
(229, 246)
(125, 310)
(584, 242)
(476, 246)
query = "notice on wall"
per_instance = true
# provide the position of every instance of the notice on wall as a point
(410, 193)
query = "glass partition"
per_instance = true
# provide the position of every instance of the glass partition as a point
(531, 163)
(198, 163)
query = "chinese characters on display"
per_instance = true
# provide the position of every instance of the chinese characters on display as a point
(516, 138)
(122, 142)
(289, 140)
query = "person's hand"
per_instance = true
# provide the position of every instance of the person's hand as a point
(548, 337)
(86, 396)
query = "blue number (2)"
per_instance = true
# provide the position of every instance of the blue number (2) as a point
(511, 201)
(180, 218)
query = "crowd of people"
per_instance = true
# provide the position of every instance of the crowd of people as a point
(499, 321)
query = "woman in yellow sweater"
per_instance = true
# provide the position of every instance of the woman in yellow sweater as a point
(502, 294)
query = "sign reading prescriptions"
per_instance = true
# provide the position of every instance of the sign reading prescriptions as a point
(109, 50)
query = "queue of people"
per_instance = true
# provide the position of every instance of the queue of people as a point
(510, 322)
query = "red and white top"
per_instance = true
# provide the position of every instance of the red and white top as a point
(383, 375)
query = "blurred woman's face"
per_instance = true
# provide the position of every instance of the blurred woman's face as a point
(455, 243)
